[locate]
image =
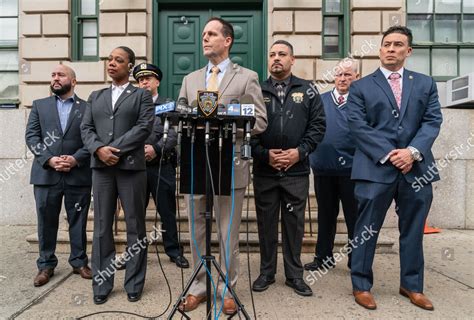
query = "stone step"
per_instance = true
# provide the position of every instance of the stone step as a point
(384, 244)
(252, 219)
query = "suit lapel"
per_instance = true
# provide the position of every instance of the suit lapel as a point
(380, 80)
(228, 76)
(107, 96)
(406, 91)
(125, 94)
(72, 114)
(54, 110)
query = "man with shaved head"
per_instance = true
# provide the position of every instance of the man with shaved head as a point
(61, 169)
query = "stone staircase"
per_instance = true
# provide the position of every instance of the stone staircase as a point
(384, 244)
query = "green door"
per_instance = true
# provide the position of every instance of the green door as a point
(180, 47)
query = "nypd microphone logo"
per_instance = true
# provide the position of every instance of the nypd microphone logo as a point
(207, 102)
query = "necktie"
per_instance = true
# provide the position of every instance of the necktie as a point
(340, 100)
(213, 83)
(280, 86)
(396, 88)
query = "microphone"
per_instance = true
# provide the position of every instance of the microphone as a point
(194, 105)
(247, 105)
(182, 106)
(233, 108)
(166, 128)
(221, 109)
(168, 106)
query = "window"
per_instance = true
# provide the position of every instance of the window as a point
(85, 30)
(9, 53)
(335, 28)
(443, 44)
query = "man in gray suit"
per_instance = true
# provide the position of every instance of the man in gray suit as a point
(60, 170)
(116, 124)
(232, 81)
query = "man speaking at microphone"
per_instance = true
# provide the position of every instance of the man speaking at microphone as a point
(232, 81)
(157, 149)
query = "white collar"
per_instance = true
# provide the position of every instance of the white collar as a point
(122, 87)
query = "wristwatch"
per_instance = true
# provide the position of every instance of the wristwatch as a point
(415, 154)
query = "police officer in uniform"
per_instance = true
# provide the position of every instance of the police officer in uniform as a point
(149, 77)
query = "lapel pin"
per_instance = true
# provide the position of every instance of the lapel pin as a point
(77, 102)
(410, 77)
(128, 91)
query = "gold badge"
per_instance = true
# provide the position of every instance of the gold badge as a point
(297, 97)
(143, 66)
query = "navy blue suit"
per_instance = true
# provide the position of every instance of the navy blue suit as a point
(379, 126)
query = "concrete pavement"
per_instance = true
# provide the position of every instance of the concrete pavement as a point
(449, 282)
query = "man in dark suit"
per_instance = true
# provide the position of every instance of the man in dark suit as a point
(116, 124)
(149, 77)
(332, 163)
(61, 169)
(281, 168)
(395, 117)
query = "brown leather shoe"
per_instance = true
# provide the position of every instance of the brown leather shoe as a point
(191, 302)
(365, 299)
(418, 299)
(43, 277)
(84, 271)
(229, 306)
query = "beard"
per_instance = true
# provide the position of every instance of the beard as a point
(65, 88)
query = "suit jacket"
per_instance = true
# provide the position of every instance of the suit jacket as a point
(236, 82)
(379, 126)
(45, 138)
(125, 127)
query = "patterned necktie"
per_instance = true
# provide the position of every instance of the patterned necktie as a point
(213, 83)
(396, 88)
(340, 100)
(280, 86)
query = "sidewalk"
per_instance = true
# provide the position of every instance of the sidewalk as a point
(449, 283)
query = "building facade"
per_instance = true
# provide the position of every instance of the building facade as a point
(37, 35)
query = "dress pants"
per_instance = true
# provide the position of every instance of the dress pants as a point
(288, 195)
(374, 199)
(329, 191)
(130, 186)
(165, 201)
(222, 214)
(48, 207)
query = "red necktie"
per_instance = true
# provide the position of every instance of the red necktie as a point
(340, 99)
(396, 87)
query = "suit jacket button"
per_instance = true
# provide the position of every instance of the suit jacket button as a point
(111, 117)
(111, 133)
(400, 128)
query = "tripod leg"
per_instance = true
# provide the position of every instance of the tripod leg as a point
(240, 306)
(185, 291)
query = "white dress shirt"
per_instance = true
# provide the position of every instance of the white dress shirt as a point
(117, 91)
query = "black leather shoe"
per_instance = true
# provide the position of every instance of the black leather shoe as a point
(100, 299)
(134, 297)
(180, 261)
(299, 286)
(262, 283)
(319, 264)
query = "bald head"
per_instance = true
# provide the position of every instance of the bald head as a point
(63, 81)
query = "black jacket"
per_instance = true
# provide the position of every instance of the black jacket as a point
(298, 123)
(125, 127)
(45, 139)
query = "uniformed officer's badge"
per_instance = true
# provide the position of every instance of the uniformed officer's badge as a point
(143, 66)
(266, 99)
(297, 97)
(207, 102)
